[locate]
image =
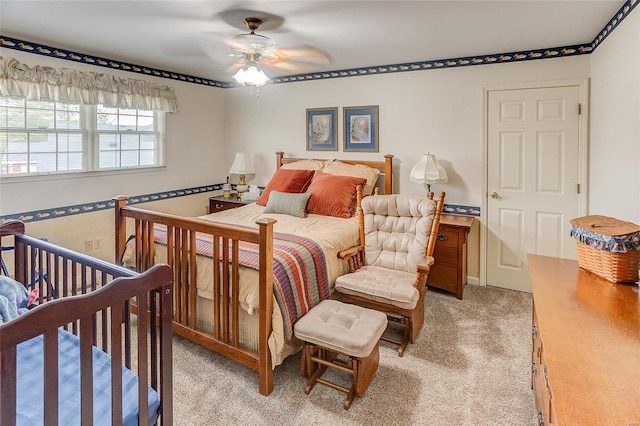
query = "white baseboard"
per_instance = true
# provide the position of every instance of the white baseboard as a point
(473, 280)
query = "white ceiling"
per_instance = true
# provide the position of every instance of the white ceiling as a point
(187, 36)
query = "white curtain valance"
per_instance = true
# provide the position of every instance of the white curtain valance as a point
(67, 85)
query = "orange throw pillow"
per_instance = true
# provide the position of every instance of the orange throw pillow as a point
(333, 195)
(284, 180)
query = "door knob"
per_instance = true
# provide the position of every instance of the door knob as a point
(495, 195)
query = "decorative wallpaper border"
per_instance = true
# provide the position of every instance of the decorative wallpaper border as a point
(519, 56)
(69, 55)
(461, 210)
(95, 206)
(622, 13)
(58, 212)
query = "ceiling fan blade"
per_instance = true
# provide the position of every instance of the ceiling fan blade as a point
(299, 59)
(292, 66)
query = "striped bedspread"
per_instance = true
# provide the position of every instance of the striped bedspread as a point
(299, 271)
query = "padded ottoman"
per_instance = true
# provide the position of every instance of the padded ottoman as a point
(341, 336)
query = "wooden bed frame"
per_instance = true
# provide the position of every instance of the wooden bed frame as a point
(92, 299)
(181, 256)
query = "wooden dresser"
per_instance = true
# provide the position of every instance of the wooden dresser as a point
(586, 346)
(449, 272)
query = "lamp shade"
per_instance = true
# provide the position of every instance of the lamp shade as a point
(241, 164)
(428, 171)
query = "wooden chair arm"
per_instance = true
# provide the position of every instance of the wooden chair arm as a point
(346, 254)
(425, 266)
(354, 256)
(423, 273)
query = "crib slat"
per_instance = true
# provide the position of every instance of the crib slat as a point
(166, 360)
(8, 386)
(86, 372)
(143, 363)
(116, 364)
(153, 328)
(51, 377)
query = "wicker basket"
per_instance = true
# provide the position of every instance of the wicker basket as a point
(617, 267)
(614, 267)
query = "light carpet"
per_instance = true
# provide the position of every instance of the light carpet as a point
(470, 366)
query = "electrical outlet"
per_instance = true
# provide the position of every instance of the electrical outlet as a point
(88, 245)
(97, 243)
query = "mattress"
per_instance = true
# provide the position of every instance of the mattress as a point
(30, 385)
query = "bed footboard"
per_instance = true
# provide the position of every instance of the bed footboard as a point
(182, 234)
(90, 301)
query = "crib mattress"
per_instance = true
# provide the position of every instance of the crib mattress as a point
(30, 385)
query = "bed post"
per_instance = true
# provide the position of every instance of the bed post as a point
(388, 174)
(265, 369)
(121, 228)
(360, 214)
(279, 156)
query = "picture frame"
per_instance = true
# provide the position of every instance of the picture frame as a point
(361, 128)
(322, 129)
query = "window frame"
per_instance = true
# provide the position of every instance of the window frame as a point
(90, 146)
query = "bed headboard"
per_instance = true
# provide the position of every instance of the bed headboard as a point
(385, 166)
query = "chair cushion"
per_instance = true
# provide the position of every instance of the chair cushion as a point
(340, 327)
(384, 285)
(397, 230)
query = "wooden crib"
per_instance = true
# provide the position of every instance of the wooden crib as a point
(87, 304)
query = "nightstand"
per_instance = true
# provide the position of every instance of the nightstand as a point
(219, 203)
(449, 272)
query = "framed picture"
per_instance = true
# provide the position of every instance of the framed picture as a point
(361, 128)
(322, 129)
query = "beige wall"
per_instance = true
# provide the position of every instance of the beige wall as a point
(438, 111)
(614, 153)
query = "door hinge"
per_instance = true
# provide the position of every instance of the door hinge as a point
(579, 109)
(578, 187)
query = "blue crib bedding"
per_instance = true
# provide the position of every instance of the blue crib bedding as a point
(30, 385)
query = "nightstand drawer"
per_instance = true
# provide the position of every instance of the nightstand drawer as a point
(445, 255)
(444, 277)
(447, 236)
(218, 206)
(220, 203)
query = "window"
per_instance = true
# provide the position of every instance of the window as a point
(47, 137)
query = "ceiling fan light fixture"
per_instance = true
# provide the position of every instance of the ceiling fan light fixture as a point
(250, 74)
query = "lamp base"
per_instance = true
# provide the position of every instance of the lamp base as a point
(242, 185)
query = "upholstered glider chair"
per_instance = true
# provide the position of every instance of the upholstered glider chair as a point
(388, 271)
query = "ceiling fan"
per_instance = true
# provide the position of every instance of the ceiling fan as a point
(255, 50)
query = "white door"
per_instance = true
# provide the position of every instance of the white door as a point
(532, 179)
